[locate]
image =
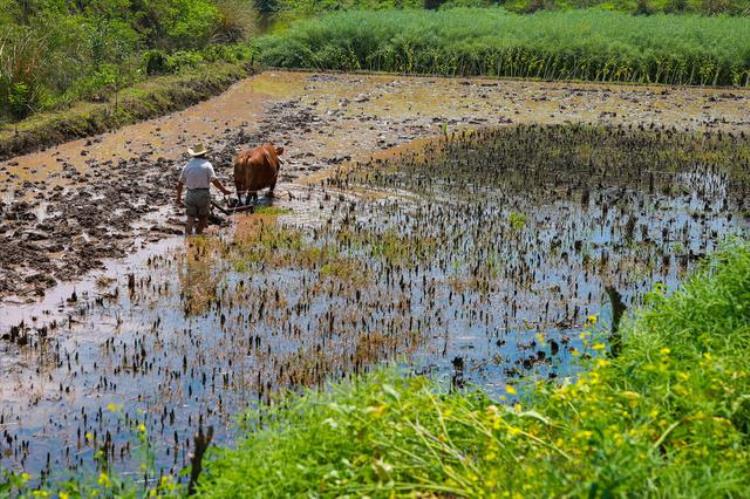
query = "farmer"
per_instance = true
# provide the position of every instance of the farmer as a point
(197, 175)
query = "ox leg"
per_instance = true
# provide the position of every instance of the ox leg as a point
(251, 197)
(270, 193)
(239, 193)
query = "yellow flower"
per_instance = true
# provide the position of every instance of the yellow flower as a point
(25, 477)
(631, 395)
(664, 351)
(112, 407)
(64, 495)
(592, 319)
(599, 347)
(510, 389)
(142, 428)
(377, 411)
(584, 434)
(104, 480)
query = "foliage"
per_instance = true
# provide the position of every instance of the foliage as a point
(585, 45)
(707, 7)
(147, 99)
(55, 52)
(669, 417)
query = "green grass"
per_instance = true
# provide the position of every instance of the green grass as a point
(154, 97)
(669, 417)
(581, 44)
(292, 8)
(707, 7)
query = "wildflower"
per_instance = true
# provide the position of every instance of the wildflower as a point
(104, 480)
(602, 363)
(112, 407)
(630, 395)
(584, 434)
(664, 351)
(142, 428)
(599, 347)
(510, 389)
(64, 495)
(592, 319)
(377, 411)
(89, 436)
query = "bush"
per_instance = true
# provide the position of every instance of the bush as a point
(59, 52)
(155, 61)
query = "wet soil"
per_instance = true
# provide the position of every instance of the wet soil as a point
(65, 209)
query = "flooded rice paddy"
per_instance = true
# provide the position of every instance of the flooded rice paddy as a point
(476, 258)
(66, 209)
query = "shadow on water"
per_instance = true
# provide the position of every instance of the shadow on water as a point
(476, 257)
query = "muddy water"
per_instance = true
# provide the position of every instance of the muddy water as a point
(477, 261)
(66, 209)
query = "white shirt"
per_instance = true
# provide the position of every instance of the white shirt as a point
(197, 174)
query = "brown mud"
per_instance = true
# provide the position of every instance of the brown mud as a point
(65, 209)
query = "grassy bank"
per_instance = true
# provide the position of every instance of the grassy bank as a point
(584, 45)
(669, 417)
(153, 97)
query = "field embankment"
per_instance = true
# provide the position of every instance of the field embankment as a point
(154, 97)
(573, 45)
(669, 416)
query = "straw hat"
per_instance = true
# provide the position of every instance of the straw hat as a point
(197, 150)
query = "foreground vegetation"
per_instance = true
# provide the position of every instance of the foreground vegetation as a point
(584, 45)
(669, 416)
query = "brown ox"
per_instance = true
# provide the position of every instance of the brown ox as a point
(256, 169)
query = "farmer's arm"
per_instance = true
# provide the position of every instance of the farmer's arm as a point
(220, 186)
(217, 183)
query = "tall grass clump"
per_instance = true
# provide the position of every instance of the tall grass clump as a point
(669, 416)
(581, 44)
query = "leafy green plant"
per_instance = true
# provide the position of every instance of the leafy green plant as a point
(517, 221)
